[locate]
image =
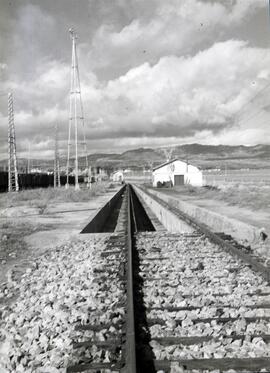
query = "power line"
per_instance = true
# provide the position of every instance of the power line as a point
(56, 160)
(252, 99)
(257, 112)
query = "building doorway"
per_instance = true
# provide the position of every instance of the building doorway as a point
(179, 180)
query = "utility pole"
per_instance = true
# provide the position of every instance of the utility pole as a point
(89, 177)
(187, 165)
(56, 173)
(28, 159)
(75, 110)
(168, 153)
(150, 165)
(13, 185)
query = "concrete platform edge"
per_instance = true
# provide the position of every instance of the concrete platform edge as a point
(240, 231)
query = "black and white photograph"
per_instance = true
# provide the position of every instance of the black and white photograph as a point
(135, 186)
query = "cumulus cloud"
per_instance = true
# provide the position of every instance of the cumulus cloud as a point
(174, 27)
(152, 72)
(180, 96)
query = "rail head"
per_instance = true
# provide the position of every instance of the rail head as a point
(130, 351)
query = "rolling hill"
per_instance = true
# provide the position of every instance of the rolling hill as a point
(204, 156)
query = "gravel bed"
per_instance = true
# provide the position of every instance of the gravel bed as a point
(209, 312)
(223, 348)
(190, 271)
(64, 289)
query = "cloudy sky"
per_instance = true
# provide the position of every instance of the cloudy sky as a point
(153, 72)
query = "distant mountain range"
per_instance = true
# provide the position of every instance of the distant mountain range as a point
(204, 156)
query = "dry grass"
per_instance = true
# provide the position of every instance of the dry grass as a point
(250, 195)
(12, 242)
(42, 197)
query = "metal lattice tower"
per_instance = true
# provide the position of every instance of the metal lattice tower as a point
(13, 185)
(56, 173)
(76, 114)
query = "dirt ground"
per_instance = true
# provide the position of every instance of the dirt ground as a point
(29, 229)
(247, 203)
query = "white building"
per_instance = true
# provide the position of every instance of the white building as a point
(177, 172)
(35, 171)
(117, 176)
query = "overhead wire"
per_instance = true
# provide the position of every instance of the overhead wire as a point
(252, 99)
(265, 87)
(257, 112)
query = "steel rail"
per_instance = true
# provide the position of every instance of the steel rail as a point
(135, 227)
(130, 361)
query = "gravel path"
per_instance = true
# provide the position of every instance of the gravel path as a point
(64, 289)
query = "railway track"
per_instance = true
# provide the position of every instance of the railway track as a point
(182, 303)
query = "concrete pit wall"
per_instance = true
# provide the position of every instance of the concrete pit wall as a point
(98, 220)
(218, 223)
(170, 221)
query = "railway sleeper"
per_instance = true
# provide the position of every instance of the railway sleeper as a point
(220, 306)
(192, 340)
(94, 367)
(249, 364)
(218, 320)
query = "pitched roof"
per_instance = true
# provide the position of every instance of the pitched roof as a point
(165, 164)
